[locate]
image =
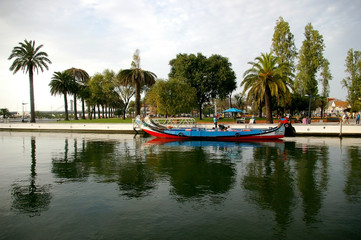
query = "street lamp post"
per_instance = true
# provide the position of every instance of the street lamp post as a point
(24, 111)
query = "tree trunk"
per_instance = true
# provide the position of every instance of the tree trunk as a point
(98, 111)
(75, 108)
(137, 98)
(83, 108)
(200, 111)
(66, 107)
(124, 112)
(89, 112)
(260, 110)
(32, 100)
(269, 118)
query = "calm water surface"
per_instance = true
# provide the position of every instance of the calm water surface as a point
(94, 186)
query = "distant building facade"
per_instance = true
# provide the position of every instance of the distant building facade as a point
(337, 107)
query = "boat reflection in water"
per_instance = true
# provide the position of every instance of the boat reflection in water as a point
(100, 186)
(205, 143)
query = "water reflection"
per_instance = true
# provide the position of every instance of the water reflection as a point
(278, 177)
(137, 170)
(194, 172)
(269, 183)
(29, 198)
(292, 186)
(312, 179)
(353, 174)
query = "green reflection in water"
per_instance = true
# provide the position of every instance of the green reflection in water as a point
(353, 173)
(276, 178)
(287, 181)
(28, 197)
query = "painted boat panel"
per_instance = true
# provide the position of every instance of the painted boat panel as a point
(212, 134)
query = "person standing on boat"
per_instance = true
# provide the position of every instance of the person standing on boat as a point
(215, 122)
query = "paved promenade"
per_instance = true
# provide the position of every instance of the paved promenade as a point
(69, 127)
(313, 129)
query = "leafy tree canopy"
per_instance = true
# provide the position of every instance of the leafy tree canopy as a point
(310, 61)
(172, 97)
(211, 77)
(283, 44)
(352, 82)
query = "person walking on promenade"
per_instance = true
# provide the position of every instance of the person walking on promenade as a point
(358, 118)
(305, 120)
(215, 122)
(345, 118)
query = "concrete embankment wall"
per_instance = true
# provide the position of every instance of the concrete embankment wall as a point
(317, 129)
(69, 127)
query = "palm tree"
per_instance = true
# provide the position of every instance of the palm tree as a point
(29, 58)
(137, 77)
(265, 79)
(62, 83)
(80, 77)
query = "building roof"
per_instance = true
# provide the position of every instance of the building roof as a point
(341, 104)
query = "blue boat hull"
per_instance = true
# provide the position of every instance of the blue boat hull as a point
(212, 134)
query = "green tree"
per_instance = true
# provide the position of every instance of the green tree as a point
(137, 77)
(239, 101)
(84, 93)
(125, 92)
(212, 77)
(110, 95)
(220, 72)
(267, 77)
(80, 77)
(353, 81)
(97, 94)
(325, 78)
(29, 59)
(283, 44)
(4, 112)
(172, 97)
(310, 61)
(62, 84)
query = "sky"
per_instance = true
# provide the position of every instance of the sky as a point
(97, 35)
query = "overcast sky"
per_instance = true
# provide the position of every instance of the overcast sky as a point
(96, 35)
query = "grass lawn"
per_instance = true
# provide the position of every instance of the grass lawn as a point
(101, 120)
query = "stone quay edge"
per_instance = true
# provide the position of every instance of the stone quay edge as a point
(313, 129)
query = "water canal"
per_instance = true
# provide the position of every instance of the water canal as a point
(95, 186)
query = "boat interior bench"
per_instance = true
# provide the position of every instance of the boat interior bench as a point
(241, 120)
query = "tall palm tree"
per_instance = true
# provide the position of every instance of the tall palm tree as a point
(265, 79)
(62, 83)
(29, 58)
(80, 77)
(137, 77)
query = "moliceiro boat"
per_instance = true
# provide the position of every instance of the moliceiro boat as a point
(220, 134)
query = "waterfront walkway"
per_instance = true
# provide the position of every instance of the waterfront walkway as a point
(313, 129)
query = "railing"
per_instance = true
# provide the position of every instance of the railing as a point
(170, 122)
(175, 122)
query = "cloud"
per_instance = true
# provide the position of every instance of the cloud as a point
(95, 35)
